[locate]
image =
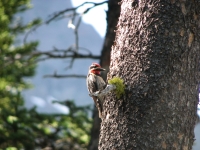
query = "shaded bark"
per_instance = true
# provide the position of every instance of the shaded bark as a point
(112, 19)
(156, 53)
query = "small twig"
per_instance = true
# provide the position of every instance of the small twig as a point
(85, 49)
(58, 14)
(72, 52)
(30, 31)
(76, 34)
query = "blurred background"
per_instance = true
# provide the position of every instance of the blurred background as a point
(66, 99)
(91, 33)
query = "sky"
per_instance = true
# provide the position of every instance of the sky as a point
(96, 17)
(58, 35)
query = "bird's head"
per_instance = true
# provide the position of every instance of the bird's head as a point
(96, 68)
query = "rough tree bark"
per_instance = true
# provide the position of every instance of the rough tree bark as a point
(156, 53)
(112, 18)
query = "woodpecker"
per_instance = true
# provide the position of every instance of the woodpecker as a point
(96, 83)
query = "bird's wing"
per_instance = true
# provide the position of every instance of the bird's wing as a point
(100, 82)
(91, 83)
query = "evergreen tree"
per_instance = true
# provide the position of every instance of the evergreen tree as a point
(15, 64)
(21, 128)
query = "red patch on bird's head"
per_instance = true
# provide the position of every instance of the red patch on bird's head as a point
(96, 68)
(95, 72)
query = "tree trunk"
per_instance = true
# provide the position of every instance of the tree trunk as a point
(156, 53)
(112, 19)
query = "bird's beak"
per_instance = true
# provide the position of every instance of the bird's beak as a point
(100, 69)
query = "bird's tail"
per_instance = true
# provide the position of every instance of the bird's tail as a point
(99, 106)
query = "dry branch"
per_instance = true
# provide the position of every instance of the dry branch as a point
(65, 76)
(71, 53)
(60, 13)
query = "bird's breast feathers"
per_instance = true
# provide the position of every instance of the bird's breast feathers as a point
(95, 83)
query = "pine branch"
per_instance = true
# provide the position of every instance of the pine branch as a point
(58, 14)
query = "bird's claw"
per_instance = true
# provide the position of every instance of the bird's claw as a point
(94, 94)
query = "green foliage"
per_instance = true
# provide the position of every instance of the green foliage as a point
(119, 83)
(15, 64)
(27, 129)
(75, 127)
